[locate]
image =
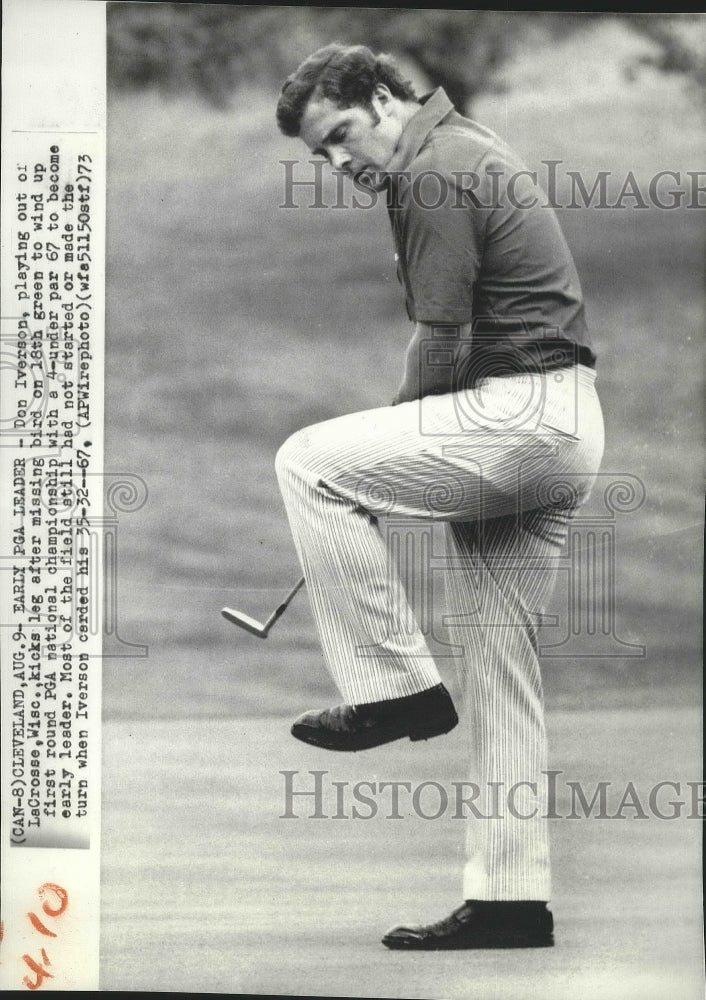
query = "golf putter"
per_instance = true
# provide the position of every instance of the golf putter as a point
(261, 629)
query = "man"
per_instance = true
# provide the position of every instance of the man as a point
(496, 431)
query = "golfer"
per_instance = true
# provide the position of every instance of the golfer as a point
(495, 431)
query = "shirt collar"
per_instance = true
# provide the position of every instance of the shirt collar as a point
(435, 106)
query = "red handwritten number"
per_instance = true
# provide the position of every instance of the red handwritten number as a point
(39, 926)
(53, 907)
(40, 972)
(58, 891)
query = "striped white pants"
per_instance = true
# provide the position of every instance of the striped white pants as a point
(504, 466)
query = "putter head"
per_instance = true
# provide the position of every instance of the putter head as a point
(246, 622)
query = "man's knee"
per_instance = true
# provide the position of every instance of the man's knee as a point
(296, 455)
(284, 459)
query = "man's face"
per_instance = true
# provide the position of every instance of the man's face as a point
(354, 140)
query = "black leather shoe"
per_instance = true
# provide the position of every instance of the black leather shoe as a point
(480, 924)
(360, 727)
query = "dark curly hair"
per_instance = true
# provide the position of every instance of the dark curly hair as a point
(346, 74)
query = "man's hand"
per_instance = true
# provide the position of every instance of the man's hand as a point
(424, 374)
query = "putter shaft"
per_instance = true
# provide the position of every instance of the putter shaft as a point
(261, 629)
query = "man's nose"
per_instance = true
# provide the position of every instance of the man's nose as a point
(339, 158)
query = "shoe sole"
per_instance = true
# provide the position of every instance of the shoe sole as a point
(480, 942)
(326, 741)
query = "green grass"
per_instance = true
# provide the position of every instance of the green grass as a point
(232, 322)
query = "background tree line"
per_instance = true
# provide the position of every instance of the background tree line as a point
(213, 49)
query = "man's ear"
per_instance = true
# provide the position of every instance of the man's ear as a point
(383, 95)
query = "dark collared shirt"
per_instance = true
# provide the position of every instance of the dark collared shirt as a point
(477, 242)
